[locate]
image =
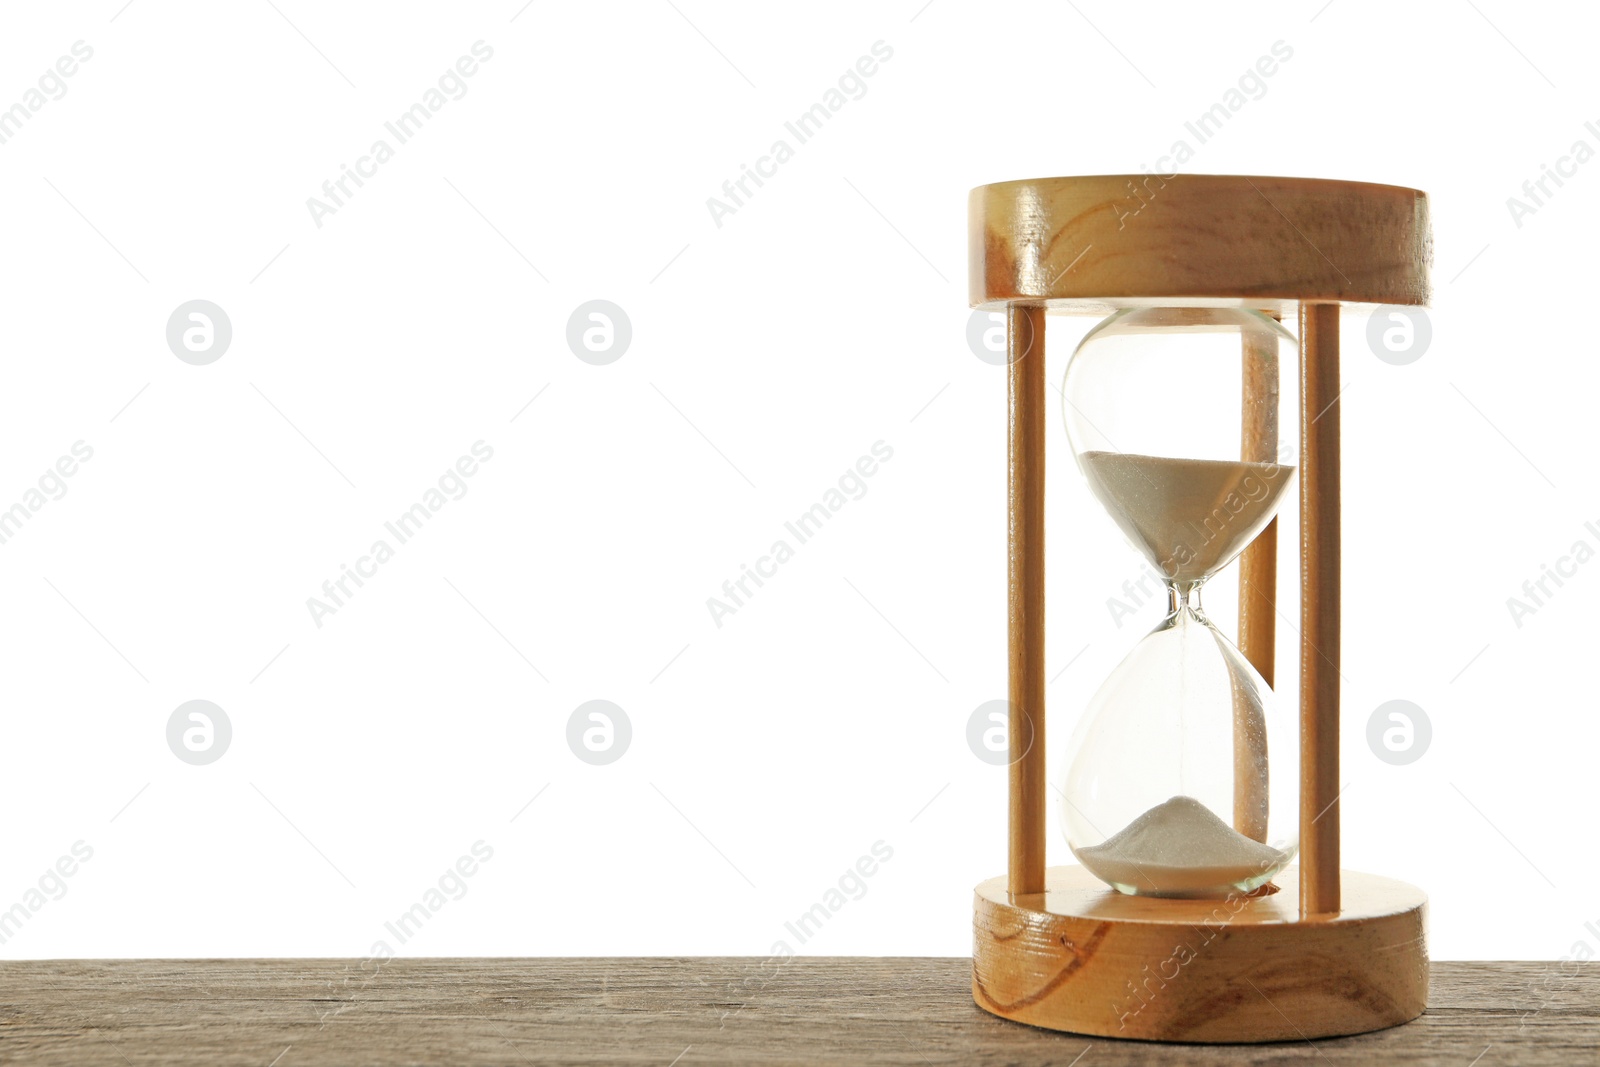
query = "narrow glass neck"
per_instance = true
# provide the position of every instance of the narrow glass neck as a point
(1184, 595)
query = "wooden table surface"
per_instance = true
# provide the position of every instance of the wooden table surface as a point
(296, 1013)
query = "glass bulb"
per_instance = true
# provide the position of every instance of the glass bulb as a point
(1183, 422)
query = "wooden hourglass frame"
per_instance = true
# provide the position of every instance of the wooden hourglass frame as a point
(1329, 952)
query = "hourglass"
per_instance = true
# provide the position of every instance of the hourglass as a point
(1189, 786)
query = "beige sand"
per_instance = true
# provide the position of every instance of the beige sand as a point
(1190, 516)
(1181, 849)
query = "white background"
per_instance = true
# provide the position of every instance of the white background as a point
(768, 354)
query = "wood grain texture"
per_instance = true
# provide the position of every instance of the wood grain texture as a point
(1025, 457)
(1094, 243)
(1258, 594)
(1319, 607)
(549, 1012)
(1086, 959)
(1258, 584)
(1260, 386)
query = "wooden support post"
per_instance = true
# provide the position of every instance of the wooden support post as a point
(1258, 591)
(1026, 391)
(1319, 608)
(1258, 595)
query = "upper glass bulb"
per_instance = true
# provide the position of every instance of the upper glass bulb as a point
(1183, 421)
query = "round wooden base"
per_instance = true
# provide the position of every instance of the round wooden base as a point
(1084, 958)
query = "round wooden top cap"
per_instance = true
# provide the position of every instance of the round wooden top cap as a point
(1101, 242)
